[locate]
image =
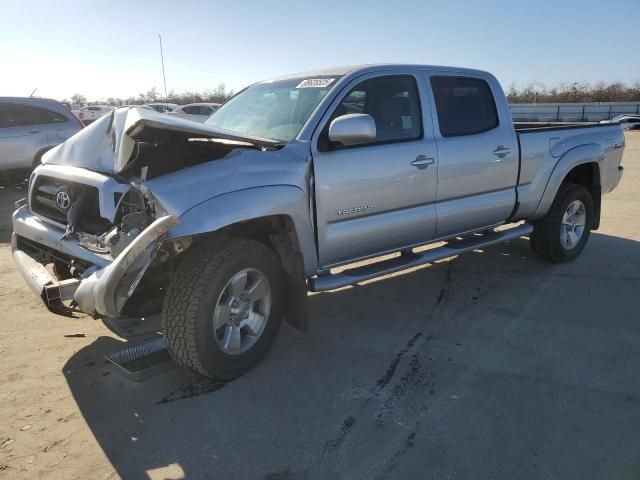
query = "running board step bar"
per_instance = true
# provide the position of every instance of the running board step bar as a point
(412, 259)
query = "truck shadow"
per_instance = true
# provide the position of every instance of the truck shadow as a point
(286, 419)
(12, 188)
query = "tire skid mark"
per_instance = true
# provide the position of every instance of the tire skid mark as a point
(193, 390)
(393, 461)
(413, 379)
(386, 378)
(443, 296)
(334, 445)
(331, 446)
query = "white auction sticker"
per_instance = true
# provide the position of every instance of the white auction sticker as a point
(315, 83)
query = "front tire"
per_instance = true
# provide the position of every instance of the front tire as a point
(224, 308)
(561, 235)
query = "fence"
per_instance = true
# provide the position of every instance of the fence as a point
(571, 112)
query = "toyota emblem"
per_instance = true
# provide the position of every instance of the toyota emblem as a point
(63, 199)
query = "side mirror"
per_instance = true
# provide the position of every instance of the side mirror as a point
(353, 129)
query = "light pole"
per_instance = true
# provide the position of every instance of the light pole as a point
(164, 78)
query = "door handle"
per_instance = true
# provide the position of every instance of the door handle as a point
(35, 131)
(501, 151)
(422, 161)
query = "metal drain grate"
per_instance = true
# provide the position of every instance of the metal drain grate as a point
(142, 360)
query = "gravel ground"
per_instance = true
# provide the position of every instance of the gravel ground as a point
(491, 365)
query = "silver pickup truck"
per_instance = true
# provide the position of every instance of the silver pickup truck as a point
(224, 227)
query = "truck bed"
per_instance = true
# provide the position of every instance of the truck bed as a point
(524, 127)
(542, 146)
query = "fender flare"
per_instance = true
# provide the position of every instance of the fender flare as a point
(582, 154)
(250, 204)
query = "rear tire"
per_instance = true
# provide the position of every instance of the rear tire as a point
(202, 287)
(561, 235)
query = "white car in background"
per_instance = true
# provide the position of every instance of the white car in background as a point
(162, 107)
(198, 112)
(91, 113)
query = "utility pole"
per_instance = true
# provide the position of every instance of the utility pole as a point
(163, 75)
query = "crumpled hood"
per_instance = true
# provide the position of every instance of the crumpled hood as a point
(108, 144)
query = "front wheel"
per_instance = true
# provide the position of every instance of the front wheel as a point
(561, 235)
(223, 308)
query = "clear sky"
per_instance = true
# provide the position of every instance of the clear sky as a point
(110, 47)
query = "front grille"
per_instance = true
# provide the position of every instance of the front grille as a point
(44, 201)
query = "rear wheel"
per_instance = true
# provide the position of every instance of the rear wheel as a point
(224, 307)
(561, 235)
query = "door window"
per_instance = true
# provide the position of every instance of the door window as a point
(44, 116)
(394, 104)
(14, 115)
(17, 115)
(465, 106)
(192, 110)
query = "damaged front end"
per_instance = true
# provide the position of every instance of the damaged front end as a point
(91, 228)
(104, 291)
(95, 274)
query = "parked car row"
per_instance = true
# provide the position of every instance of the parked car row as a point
(198, 112)
(628, 122)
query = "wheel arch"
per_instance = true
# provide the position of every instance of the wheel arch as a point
(580, 165)
(278, 216)
(37, 158)
(259, 211)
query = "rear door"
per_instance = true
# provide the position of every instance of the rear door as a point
(380, 196)
(21, 137)
(59, 127)
(477, 152)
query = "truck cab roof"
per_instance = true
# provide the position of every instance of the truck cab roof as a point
(356, 70)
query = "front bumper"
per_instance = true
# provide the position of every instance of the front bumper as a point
(105, 286)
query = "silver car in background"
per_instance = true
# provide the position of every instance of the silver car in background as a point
(628, 122)
(31, 126)
(198, 112)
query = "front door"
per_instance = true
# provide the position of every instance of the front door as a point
(376, 197)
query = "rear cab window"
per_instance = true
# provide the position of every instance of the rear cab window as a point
(464, 105)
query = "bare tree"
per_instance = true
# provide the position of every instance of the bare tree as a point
(78, 100)
(575, 92)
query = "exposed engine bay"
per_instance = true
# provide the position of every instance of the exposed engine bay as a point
(131, 145)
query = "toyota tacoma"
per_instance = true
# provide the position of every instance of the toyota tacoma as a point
(224, 227)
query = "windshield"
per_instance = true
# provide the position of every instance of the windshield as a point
(275, 110)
